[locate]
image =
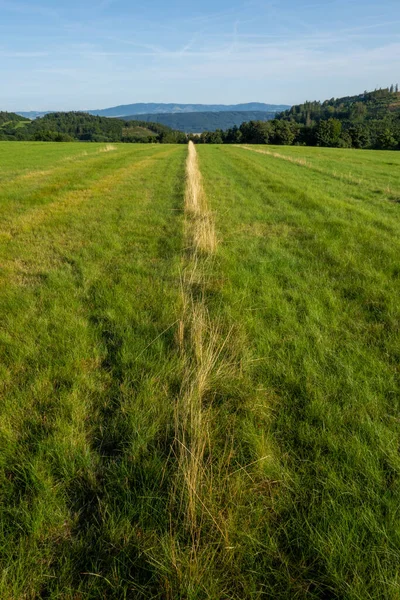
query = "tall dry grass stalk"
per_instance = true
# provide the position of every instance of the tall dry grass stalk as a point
(202, 344)
(296, 161)
(108, 148)
(209, 491)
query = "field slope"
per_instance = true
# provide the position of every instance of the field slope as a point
(199, 372)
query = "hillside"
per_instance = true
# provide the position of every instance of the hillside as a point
(156, 109)
(368, 121)
(63, 127)
(161, 108)
(196, 122)
(8, 117)
(363, 107)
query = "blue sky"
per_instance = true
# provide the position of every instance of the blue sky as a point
(92, 54)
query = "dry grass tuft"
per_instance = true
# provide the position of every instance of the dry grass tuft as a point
(296, 161)
(33, 174)
(108, 148)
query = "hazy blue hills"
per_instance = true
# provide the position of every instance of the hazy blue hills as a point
(197, 122)
(33, 114)
(156, 109)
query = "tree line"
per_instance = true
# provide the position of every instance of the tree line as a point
(370, 120)
(381, 134)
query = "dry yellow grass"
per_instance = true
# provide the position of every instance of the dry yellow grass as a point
(210, 490)
(297, 161)
(108, 148)
(200, 220)
(201, 344)
(32, 174)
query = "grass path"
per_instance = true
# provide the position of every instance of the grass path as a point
(200, 356)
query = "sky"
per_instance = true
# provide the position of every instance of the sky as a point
(92, 54)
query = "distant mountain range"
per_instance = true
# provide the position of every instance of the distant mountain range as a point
(196, 122)
(130, 110)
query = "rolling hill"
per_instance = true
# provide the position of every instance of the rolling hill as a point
(378, 104)
(126, 110)
(65, 127)
(9, 117)
(155, 109)
(197, 122)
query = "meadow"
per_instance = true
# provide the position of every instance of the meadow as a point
(199, 372)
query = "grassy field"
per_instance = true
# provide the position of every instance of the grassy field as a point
(199, 372)
(14, 124)
(138, 131)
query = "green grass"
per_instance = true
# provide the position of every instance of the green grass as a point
(16, 124)
(301, 470)
(371, 170)
(311, 274)
(87, 287)
(138, 132)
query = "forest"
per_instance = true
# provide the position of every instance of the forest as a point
(6, 117)
(76, 126)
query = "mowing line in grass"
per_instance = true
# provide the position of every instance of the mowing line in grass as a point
(36, 215)
(218, 476)
(198, 342)
(26, 194)
(344, 177)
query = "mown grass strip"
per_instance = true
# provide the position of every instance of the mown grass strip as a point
(44, 187)
(67, 199)
(86, 420)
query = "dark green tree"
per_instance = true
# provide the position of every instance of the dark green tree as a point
(328, 133)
